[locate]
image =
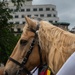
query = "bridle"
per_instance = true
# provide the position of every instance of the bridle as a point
(22, 65)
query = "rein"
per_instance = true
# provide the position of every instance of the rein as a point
(22, 67)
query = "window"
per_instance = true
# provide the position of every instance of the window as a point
(11, 22)
(16, 16)
(47, 9)
(16, 22)
(18, 29)
(51, 21)
(55, 21)
(27, 9)
(54, 15)
(35, 9)
(29, 15)
(36, 15)
(40, 9)
(22, 10)
(11, 10)
(15, 10)
(23, 22)
(48, 15)
(41, 15)
(53, 9)
(22, 16)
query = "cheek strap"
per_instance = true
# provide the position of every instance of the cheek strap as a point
(37, 28)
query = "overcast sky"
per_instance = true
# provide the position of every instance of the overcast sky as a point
(65, 8)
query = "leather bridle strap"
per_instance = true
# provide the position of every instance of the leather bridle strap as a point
(41, 62)
(16, 62)
(29, 52)
(22, 67)
(40, 54)
(37, 28)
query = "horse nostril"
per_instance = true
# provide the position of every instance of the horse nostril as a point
(5, 73)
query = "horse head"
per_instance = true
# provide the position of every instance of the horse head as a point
(26, 54)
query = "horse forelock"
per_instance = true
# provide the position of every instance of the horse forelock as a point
(57, 43)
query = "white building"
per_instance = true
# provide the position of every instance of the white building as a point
(46, 12)
(73, 30)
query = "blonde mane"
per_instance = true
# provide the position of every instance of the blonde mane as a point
(57, 43)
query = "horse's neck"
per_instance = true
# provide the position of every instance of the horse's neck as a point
(48, 40)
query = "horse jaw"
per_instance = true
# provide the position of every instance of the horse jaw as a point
(30, 22)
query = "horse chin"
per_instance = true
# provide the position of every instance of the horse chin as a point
(23, 74)
(6, 73)
(10, 72)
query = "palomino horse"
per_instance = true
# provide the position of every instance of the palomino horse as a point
(56, 46)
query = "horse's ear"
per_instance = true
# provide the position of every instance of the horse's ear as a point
(30, 22)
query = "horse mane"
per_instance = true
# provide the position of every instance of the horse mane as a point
(57, 43)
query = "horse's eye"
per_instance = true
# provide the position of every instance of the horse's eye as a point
(23, 42)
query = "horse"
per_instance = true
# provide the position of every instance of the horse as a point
(21, 52)
(43, 42)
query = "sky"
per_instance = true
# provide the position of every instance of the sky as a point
(65, 9)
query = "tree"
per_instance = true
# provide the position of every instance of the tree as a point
(7, 38)
(7, 44)
(4, 15)
(18, 3)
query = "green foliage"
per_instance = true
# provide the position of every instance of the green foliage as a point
(7, 44)
(7, 38)
(18, 3)
(4, 15)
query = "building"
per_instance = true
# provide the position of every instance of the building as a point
(62, 25)
(72, 30)
(46, 12)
